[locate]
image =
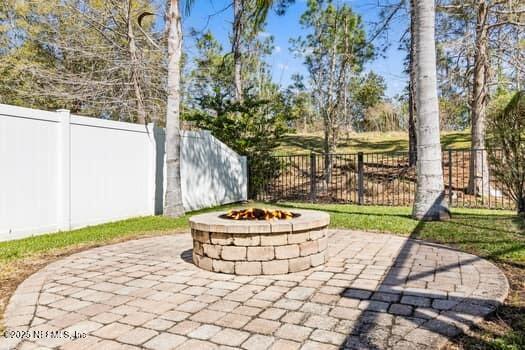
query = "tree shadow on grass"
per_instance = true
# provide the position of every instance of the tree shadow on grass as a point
(457, 220)
(335, 211)
(520, 224)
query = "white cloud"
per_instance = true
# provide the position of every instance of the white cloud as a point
(264, 34)
(277, 49)
(282, 66)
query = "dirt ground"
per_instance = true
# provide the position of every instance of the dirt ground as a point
(387, 180)
(507, 322)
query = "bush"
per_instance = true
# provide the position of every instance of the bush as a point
(506, 148)
(251, 128)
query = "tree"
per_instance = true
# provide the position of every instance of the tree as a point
(506, 13)
(334, 52)
(506, 148)
(248, 18)
(87, 56)
(238, 24)
(212, 71)
(299, 102)
(412, 67)
(173, 201)
(493, 25)
(250, 127)
(429, 203)
(383, 117)
(366, 91)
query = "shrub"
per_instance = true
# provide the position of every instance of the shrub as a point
(506, 148)
(251, 128)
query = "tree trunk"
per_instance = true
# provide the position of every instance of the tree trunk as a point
(305, 123)
(412, 137)
(236, 48)
(478, 170)
(326, 151)
(429, 203)
(135, 76)
(329, 147)
(173, 201)
(521, 206)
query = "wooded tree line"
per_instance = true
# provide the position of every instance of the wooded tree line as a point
(109, 59)
(95, 58)
(88, 56)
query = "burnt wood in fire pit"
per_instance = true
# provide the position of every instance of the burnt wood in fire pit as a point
(259, 247)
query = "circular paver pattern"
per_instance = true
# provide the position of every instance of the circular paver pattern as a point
(376, 291)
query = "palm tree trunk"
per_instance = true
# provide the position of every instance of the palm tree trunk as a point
(478, 170)
(429, 203)
(173, 201)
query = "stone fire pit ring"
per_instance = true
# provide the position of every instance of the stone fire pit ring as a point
(259, 247)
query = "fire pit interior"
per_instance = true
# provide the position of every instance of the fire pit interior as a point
(259, 214)
(259, 241)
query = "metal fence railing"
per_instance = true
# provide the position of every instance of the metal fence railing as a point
(374, 179)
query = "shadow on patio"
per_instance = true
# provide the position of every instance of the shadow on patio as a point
(414, 298)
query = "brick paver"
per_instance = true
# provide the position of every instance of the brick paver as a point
(376, 291)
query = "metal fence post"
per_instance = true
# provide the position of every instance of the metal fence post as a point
(313, 185)
(360, 179)
(449, 177)
(249, 185)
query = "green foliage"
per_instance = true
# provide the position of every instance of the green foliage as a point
(510, 341)
(506, 147)
(212, 71)
(499, 100)
(334, 52)
(335, 30)
(251, 127)
(493, 234)
(299, 102)
(453, 113)
(98, 234)
(366, 92)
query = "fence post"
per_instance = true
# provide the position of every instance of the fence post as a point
(449, 177)
(64, 170)
(360, 179)
(249, 186)
(313, 185)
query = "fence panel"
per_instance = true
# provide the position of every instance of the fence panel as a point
(374, 179)
(61, 171)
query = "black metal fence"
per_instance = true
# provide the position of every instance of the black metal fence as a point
(373, 179)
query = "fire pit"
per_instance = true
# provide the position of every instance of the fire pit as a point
(259, 241)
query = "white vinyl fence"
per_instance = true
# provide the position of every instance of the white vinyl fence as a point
(60, 171)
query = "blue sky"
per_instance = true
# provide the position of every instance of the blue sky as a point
(217, 17)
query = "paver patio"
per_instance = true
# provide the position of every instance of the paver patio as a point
(377, 291)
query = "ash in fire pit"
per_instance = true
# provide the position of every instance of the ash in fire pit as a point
(259, 214)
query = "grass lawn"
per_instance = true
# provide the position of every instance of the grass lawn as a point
(365, 142)
(496, 235)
